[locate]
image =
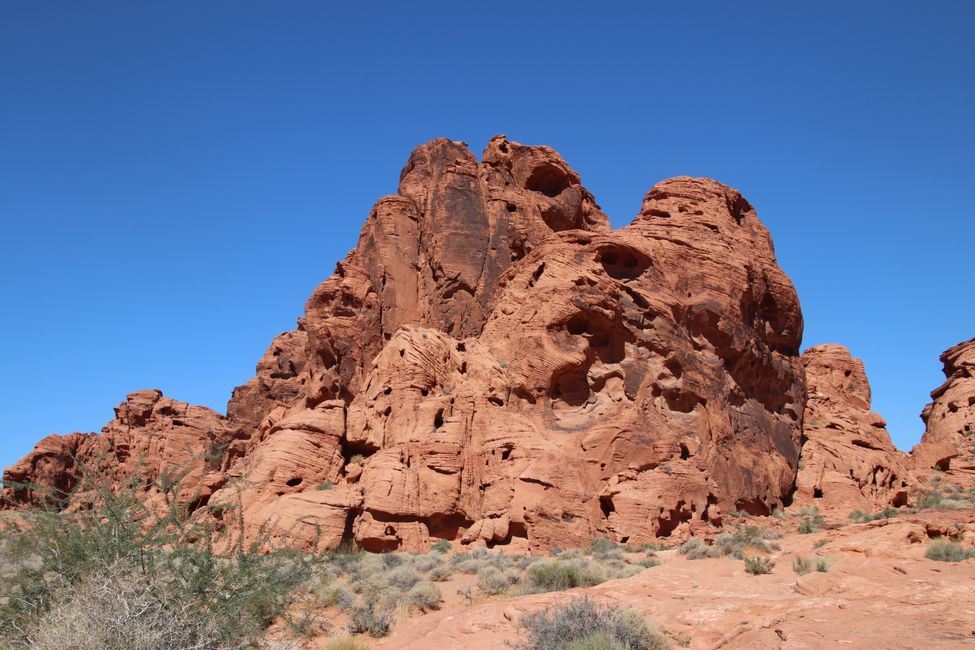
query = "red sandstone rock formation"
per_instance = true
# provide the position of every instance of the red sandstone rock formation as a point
(847, 461)
(151, 436)
(948, 444)
(493, 364)
(511, 370)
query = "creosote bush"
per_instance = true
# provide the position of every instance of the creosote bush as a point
(583, 624)
(150, 571)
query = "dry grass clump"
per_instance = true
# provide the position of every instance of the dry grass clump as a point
(943, 550)
(801, 566)
(757, 565)
(810, 520)
(583, 625)
(347, 642)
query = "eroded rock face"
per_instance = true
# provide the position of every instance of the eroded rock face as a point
(152, 436)
(492, 364)
(848, 461)
(948, 444)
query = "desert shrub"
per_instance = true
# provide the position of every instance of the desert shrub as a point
(801, 566)
(820, 543)
(650, 562)
(356, 459)
(860, 517)
(471, 566)
(440, 573)
(424, 563)
(589, 625)
(696, 549)
(596, 641)
(944, 550)
(442, 546)
(758, 564)
(810, 520)
(491, 581)
(403, 577)
(325, 485)
(559, 575)
(347, 642)
(370, 617)
(170, 553)
(735, 543)
(605, 548)
(333, 595)
(118, 610)
(424, 595)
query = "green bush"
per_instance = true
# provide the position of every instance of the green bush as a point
(944, 550)
(442, 546)
(590, 626)
(559, 575)
(759, 564)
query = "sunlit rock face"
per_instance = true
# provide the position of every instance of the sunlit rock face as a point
(493, 364)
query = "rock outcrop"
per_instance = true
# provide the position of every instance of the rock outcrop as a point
(847, 461)
(493, 364)
(948, 444)
(152, 437)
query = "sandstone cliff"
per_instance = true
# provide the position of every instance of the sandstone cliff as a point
(494, 364)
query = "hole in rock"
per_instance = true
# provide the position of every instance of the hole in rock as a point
(548, 179)
(295, 482)
(606, 505)
(622, 262)
(438, 419)
(388, 390)
(684, 452)
(817, 493)
(497, 401)
(506, 453)
(943, 465)
(624, 539)
(461, 347)
(511, 207)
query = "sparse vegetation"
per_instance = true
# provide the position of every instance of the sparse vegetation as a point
(116, 568)
(442, 546)
(801, 566)
(583, 624)
(758, 564)
(810, 520)
(346, 642)
(860, 517)
(425, 596)
(943, 550)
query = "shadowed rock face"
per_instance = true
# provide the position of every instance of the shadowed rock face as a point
(493, 364)
(948, 444)
(848, 460)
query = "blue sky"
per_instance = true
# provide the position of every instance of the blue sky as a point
(176, 178)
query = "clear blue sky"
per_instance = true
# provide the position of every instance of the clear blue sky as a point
(176, 178)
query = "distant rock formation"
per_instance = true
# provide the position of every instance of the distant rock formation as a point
(948, 444)
(848, 461)
(493, 364)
